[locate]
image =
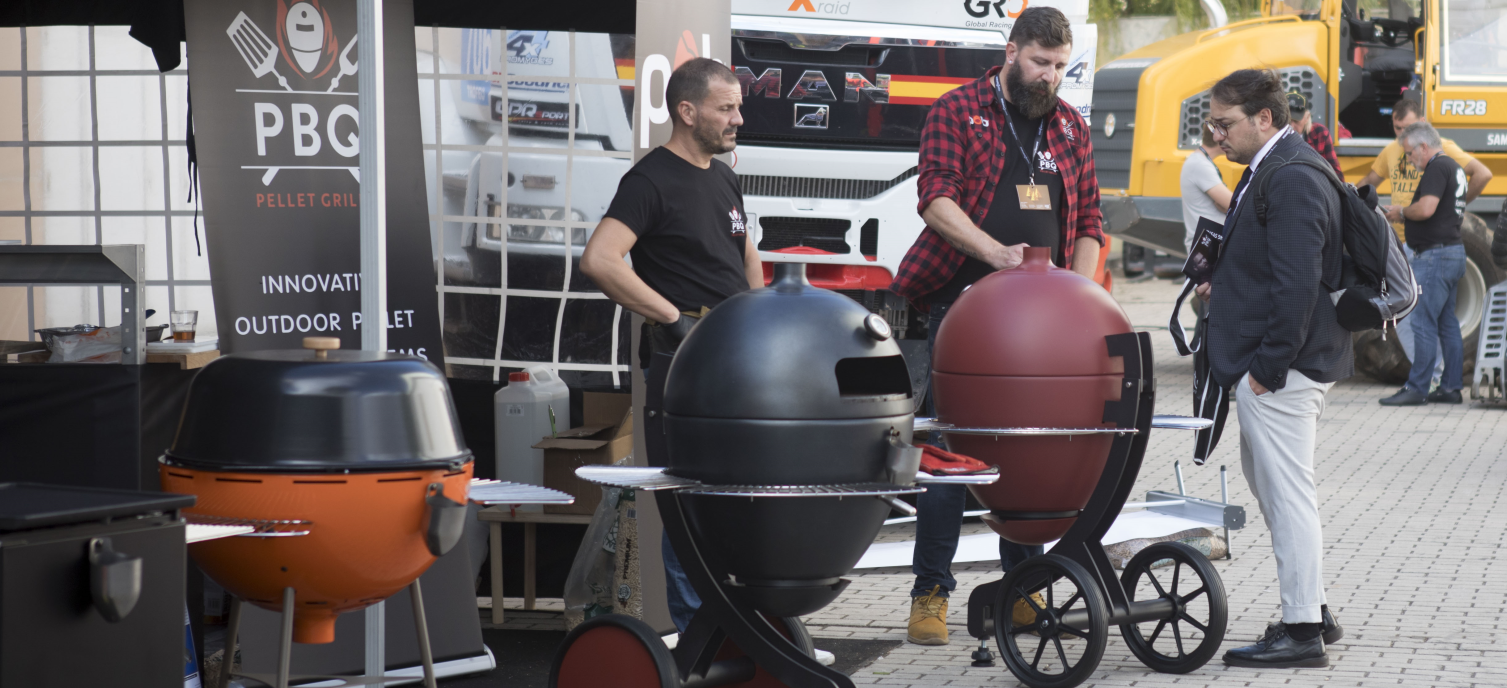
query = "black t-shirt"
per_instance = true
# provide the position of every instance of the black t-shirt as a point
(690, 225)
(1005, 222)
(1443, 178)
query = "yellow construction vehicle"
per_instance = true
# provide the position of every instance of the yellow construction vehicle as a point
(1353, 63)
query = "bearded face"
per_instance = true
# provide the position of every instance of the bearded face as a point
(1035, 98)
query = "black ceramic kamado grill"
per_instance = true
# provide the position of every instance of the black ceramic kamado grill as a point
(781, 441)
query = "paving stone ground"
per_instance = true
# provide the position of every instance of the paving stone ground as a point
(1411, 503)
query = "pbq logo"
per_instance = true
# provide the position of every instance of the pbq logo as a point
(308, 51)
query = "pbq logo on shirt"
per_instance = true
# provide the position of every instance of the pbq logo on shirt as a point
(739, 226)
(1045, 163)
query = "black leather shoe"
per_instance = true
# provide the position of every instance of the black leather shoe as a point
(1278, 650)
(1439, 396)
(1406, 397)
(1333, 631)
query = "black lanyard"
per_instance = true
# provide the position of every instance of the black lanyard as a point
(999, 92)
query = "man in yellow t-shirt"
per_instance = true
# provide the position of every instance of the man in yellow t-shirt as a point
(1393, 165)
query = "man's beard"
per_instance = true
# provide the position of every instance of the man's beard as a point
(1034, 100)
(711, 140)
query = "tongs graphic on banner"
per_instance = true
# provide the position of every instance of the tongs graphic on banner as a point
(346, 66)
(259, 52)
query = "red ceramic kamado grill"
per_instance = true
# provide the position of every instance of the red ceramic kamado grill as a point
(780, 432)
(350, 466)
(1037, 371)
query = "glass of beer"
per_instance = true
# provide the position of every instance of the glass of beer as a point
(184, 323)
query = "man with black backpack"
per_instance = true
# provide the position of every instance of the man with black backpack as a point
(1433, 232)
(1274, 335)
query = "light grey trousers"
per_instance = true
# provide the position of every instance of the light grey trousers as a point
(1277, 435)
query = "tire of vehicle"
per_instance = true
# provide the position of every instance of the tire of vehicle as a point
(1385, 361)
(1132, 258)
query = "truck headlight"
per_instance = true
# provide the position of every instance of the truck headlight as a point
(540, 234)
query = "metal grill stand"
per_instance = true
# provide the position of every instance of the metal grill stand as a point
(484, 492)
(1101, 598)
(729, 640)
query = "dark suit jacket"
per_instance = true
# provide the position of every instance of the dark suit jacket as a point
(1269, 312)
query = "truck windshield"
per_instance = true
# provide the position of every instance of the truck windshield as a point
(1308, 9)
(1475, 41)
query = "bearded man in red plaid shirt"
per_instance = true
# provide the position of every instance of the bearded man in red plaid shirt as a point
(1005, 164)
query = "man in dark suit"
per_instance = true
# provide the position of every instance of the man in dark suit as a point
(1273, 336)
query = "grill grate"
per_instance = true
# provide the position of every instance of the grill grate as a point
(823, 233)
(818, 187)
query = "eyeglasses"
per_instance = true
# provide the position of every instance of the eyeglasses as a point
(1222, 130)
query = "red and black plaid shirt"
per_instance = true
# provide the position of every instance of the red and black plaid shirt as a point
(1318, 137)
(962, 146)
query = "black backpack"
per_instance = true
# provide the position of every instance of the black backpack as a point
(1376, 284)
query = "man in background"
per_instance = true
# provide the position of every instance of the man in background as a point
(1393, 165)
(1433, 231)
(1204, 192)
(1315, 134)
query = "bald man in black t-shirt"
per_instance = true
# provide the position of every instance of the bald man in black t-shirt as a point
(679, 211)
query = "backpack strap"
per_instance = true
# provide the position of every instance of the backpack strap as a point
(1269, 169)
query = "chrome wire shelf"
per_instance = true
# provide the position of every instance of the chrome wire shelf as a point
(261, 527)
(965, 479)
(492, 492)
(1160, 422)
(647, 478)
(844, 490)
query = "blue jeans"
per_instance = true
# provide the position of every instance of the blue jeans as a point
(939, 513)
(1405, 334)
(682, 598)
(1438, 272)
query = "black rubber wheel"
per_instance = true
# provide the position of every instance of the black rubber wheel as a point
(1132, 259)
(1191, 635)
(613, 650)
(798, 635)
(1063, 645)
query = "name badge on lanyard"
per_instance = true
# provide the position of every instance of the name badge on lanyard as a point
(1032, 197)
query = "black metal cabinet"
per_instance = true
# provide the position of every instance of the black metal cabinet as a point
(52, 630)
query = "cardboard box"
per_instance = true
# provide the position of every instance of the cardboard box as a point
(606, 438)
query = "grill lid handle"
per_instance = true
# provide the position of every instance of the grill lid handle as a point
(446, 520)
(789, 277)
(114, 580)
(321, 346)
(902, 461)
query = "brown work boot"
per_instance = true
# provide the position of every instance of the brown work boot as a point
(1023, 614)
(928, 619)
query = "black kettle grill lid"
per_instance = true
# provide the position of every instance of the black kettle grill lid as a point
(789, 351)
(318, 411)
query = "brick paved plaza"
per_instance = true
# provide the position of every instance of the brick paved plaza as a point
(1412, 532)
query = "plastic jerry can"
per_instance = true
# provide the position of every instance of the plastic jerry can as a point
(522, 411)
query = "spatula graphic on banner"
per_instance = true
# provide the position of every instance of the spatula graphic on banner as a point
(259, 52)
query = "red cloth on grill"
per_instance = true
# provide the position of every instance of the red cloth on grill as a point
(937, 461)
